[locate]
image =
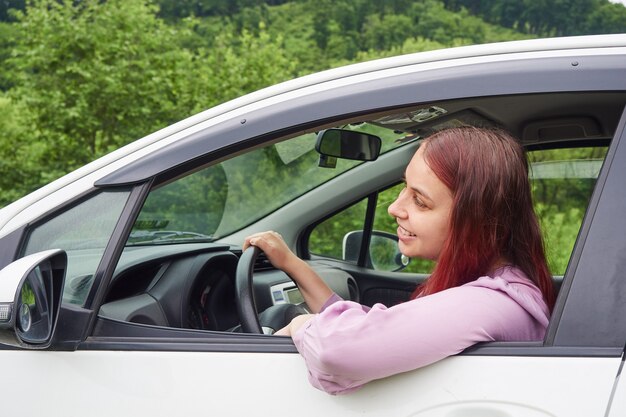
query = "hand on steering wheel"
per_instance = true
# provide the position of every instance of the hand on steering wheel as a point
(274, 247)
(274, 317)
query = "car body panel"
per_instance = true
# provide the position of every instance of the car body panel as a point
(617, 406)
(165, 384)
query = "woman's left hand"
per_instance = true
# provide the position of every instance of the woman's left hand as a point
(294, 325)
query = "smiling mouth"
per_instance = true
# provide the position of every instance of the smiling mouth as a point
(403, 232)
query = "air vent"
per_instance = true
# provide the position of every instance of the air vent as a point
(262, 263)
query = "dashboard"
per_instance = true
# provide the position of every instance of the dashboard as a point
(193, 286)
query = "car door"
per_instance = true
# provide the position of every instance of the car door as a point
(175, 371)
(618, 399)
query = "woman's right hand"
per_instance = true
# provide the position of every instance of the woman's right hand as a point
(274, 247)
(311, 285)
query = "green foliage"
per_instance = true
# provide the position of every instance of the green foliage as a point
(607, 18)
(27, 295)
(20, 149)
(327, 237)
(549, 18)
(560, 232)
(560, 203)
(325, 34)
(385, 32)
(7, 40)
(97, 75)
(176, 9)
(195, 203)
(236, 65)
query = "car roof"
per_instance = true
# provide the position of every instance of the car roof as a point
(136, 161)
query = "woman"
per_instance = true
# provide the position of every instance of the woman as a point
(467, 205)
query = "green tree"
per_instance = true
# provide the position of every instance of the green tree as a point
(236, 65)
(7, 40)
(548, 17)
(20, 150)
(386, 32)
(96, 75)
(607, 18)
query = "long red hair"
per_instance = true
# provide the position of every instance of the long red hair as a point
(492, 218)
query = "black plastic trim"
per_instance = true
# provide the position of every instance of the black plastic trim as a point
(207, 344)
(368, 226)
(104, 272)
(579, 143)
(138, 337)
(70, 327)
(119, 335)
(10, 246)
(537, 349)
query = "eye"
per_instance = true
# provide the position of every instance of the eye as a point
(418, 202)
(415, 197)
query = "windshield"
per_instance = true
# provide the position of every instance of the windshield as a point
(228, 196)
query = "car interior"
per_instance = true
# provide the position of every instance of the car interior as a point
(186, 279)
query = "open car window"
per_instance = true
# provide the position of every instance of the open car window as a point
(178, 264)
(562, 181)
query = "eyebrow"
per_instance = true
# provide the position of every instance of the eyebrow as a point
(417, 190)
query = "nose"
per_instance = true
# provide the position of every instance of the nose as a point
(397, 208)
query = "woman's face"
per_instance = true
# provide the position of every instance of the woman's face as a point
(422, 211)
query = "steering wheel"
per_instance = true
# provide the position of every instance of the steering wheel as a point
(275, 317)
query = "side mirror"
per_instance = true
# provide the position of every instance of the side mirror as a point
(383, 253)
(347, 144)
(31, 290)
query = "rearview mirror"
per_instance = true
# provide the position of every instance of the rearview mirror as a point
(31, 290)
(383, 253)
(348, 144)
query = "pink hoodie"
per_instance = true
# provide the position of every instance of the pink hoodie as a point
(347, 345)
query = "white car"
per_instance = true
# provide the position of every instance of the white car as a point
(120, 291)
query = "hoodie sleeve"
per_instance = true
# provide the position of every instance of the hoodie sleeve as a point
(346, 346)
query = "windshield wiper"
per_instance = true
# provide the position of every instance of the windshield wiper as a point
(164, 237)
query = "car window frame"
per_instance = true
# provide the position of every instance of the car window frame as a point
(110, 334)
(540, 75)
